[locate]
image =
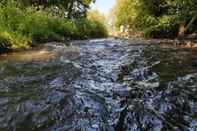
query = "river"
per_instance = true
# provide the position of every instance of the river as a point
(99, 85)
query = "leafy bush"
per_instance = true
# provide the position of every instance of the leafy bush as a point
(98, 24)
(22, 26)
(12, 40)
(156, 18)
(167, 27)
(4, 42)
(89, 29)
(144, 21)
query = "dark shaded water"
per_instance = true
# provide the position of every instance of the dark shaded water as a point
(99, 85)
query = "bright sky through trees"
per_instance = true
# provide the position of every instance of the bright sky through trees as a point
(103, 6)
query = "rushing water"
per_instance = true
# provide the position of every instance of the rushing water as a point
(99, 85)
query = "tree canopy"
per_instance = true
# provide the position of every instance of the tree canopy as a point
(72, 8)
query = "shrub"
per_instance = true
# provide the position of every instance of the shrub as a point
(86, 28)
(13, 40)
(23, 26)
(156, 18)
(98, 23)
(166, 27)
(4, 42)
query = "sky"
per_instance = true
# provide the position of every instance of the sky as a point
(103, 6)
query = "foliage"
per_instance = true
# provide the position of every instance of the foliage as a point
(156, 18)
(96, 16)
(73, 8)
(89, 29)
(99, 23)
(21, 27)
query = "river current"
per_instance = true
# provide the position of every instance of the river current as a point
(99, 85)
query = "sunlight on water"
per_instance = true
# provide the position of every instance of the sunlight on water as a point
(103, 84)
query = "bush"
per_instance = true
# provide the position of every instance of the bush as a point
(99, 30)
(89, 29)
(20, 27)
(4, 42)
(12, 40)
(156, 18)
(166, 27)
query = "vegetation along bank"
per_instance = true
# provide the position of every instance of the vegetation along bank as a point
(24, 23)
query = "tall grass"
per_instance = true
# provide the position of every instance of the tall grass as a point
(20, 27)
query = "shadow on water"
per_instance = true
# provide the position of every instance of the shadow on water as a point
(97, 85)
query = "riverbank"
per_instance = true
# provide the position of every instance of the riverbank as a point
(182, 43)
(21, 28)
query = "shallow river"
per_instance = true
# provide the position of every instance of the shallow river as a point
(99, 85)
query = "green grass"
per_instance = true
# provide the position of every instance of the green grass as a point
(20, 27)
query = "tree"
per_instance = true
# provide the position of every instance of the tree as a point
(73, 8)
(157, 17)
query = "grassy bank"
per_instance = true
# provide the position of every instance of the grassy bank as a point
(22, 27)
